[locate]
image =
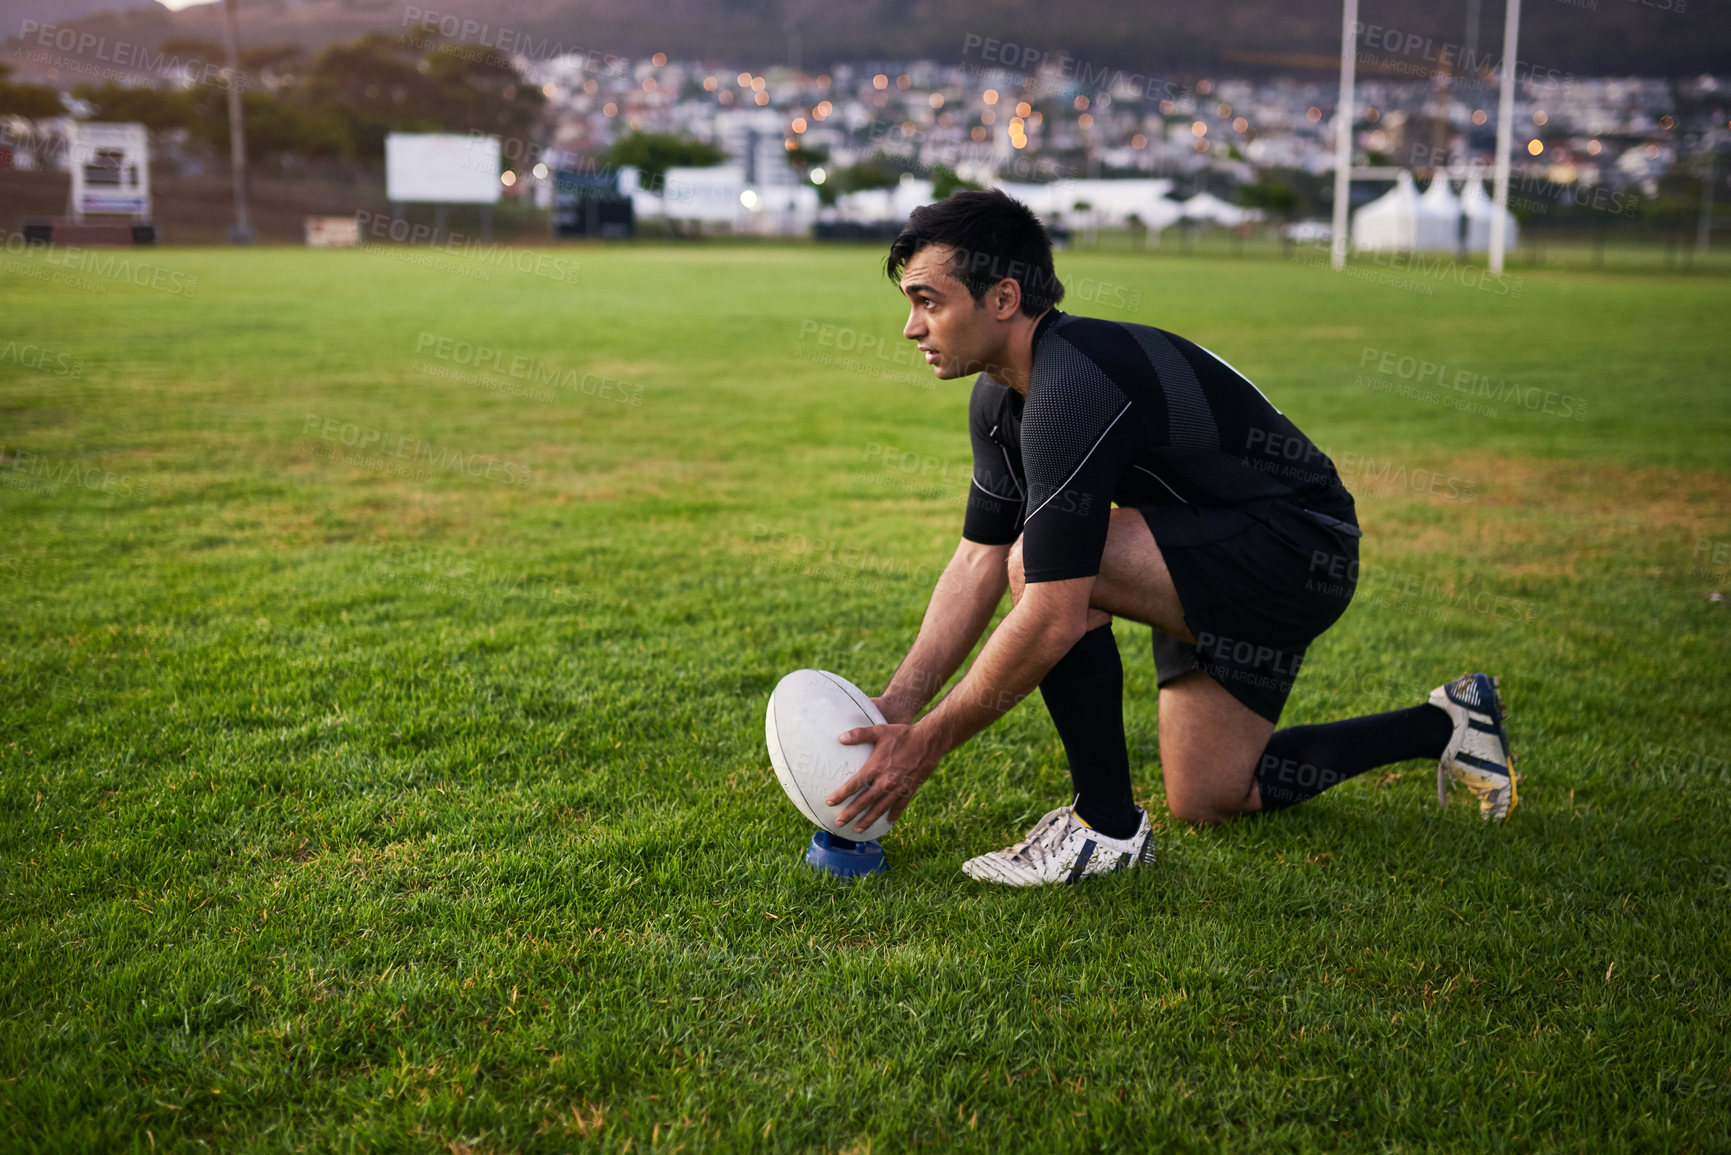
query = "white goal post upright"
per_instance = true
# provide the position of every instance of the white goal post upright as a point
(1343, 131)
(1505, 128)
(1505, 134)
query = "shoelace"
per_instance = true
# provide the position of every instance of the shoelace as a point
(1044, 838)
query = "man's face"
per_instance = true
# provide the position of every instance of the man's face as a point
(957, 336)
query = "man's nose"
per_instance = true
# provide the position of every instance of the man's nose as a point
(915, 328)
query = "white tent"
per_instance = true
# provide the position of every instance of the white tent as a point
(1439, 223)
(1391, 221)
(1480, 209)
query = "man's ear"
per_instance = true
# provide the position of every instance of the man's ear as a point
(1006, 298)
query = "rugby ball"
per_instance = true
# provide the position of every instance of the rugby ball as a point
(807, 710)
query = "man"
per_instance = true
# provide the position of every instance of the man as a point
(1232, 537)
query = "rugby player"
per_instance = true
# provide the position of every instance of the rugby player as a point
(1121, 470)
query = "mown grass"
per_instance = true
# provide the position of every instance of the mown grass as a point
(343, 809)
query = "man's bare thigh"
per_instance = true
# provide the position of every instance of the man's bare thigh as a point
(1134, 582)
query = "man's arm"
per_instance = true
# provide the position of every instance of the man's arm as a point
(1050, 618)
(962, 603)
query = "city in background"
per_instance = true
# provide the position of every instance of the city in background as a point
(704, 147)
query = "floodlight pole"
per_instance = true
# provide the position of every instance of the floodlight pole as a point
(1505, 134)
(1343, 130)
(242, 232)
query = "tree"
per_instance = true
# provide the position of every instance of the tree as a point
(157, 109)
(653, 153)
(31, 101)
(945, 181)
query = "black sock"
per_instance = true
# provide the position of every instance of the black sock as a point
(1084, 693)
(1302, 761)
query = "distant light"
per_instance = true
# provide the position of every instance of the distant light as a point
(1166, 107)
(540, 171)
(1197, 128)
(1594, 148)
(610, 109)
(658, 59)
(880, 82)
(1138, 141)
(1652, 152)
(1240, 124)
(798, 125)
(1223, 109)
(726, 97)
(1313, 114)
(990, 96)
(978, 132)
(1081, 104)
(1539, 118)
(549, 90)
(507, 178)
(1086, 120)
(710, 84)
(1204, 87)
(936, 100)
(1667, 122)
(762, 98)
(903, 81)
(1024, 108)
(744, 79)
(649, 84)
(748, 198)
(591, 87)
(1480, 116)
(1535, 147)
(759, 83)
(818, 176)
(1372, 115)
(909, 128)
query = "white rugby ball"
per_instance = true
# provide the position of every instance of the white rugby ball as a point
(807, 710)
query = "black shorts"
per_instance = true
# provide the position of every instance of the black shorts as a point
(1258, 584)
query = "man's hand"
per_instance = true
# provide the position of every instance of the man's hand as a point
(886, 783)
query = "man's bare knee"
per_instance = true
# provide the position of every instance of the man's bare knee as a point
(1197, 812)
(1013, 568)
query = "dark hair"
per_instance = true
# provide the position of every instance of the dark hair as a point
(993, 237)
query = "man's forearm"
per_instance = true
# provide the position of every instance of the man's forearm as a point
(1021, 651)
(962, 604)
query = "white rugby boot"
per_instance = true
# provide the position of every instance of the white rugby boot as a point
(1478, 754)
(1063, 848)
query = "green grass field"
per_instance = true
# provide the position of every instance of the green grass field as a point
(382, 762)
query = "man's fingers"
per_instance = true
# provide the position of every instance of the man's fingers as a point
(856, 737)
